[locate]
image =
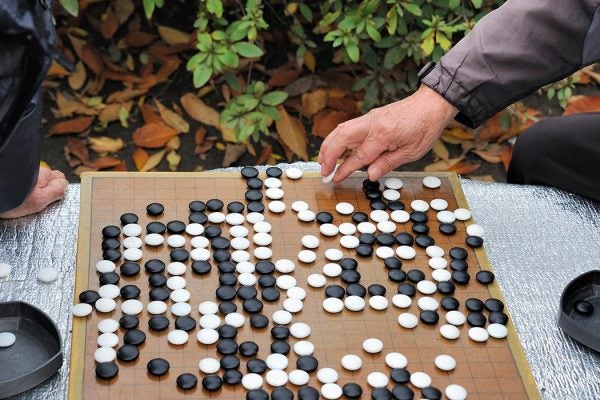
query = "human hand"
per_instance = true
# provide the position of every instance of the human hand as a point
(50, 187)
(387, 137)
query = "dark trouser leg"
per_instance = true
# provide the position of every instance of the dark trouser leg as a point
(562, 152)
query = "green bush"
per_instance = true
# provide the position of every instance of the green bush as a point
(384, 41)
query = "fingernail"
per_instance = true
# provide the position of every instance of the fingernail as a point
(374, 173)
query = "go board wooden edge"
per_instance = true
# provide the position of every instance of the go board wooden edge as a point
(513, 338)
(77, 366)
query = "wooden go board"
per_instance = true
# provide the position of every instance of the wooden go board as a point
(496, 369)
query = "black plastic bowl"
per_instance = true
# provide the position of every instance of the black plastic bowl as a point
(37, 352)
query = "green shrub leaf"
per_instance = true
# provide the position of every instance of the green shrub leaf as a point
(201, 75)
(248, 50)
(353, 52)
(274, 98)
(70, 6)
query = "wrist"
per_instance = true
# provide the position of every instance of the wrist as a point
(437, 102)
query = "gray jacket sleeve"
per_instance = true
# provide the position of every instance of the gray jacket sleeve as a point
(514, 50)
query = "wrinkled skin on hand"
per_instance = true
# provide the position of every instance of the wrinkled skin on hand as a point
(387, 137)
(50, 187)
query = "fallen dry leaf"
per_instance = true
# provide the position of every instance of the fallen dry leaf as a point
(342, 104)
(92, 58)
(233, 152)
(171, 118)
(309, 61)
(582, 104)
(153, 161)
(283, 77)
(149, 115)
(67, 105)
(440, 150)
(153, 135)
(173, 159)
(103, 163)
(77, 79)
(459, 133)
(200, 135)
(78, 148)
(112, 112)
(123, 9)
(125, 95)
(292, 133)
(265, 154)
(139, 39)
(464, 168)
(105, 144)
(327, 120)
(173, 144)
(75, 125)
(313, 102)
(173, 36)
(488, 156)
(506, 156)
(442, 165)
(140, 157)
(198, 110)
(57, 71)
(110, 23)
(204, 147)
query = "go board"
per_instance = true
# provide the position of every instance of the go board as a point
(495, 369)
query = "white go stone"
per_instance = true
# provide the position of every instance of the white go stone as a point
(349, 242)
(240, 255)
(176, 241)
(292, 305)
(391, 195)
(329, 229)
(81, 310)
(329, 178)
(478, 334)
(426, 287)
(252, 381)
(207, 336)
(282, 317)
(400, 216)
(434, 251)
(384, 252)
(446, 217)
(334, 254)
(132, 230)
(105, 354)
(208, 308)
(333, 305)
(344, 208)
(276, 361)
(331, 391)
(401, 301)
(235, 319)
(437, 263)
(386, 227)
(133, 254)
(104, 266)
(285, 282)
(332, 270)
(299, 205)
(300, 330)
(377, 379)
(200, 254)
(238, 231)
(298, 377)
(306, 215)
(274, 193)
(200, 242)
(180, 295)
(462, 214)
(378, 303)
(408, 320)
(245, 267)
(209, 365)
(105, 305)
(156, 307)
(272, 182)
(285, 266)
(108, 340)
(351, 362)
(393, 183)
(441, 275)
(176, 268)
(354, 303)
(455, 317)
(427, 303)
(347, 228)
(241, 243)
(296, 292)
(262, 239)
(497, 331)
(396, 360)
(194, 229)
(234, 219)
(276, 206)
(432, 182)
(438, 204)
(455, 392)
(154, 239)
(132, 242)
(176, 282)
(445, 362)
(372, 345)
(276, 377)
(109, 291)
(216, 217)
(406, 252)
(307, 256)
(310, 241)
(181, 309)
(47, 275)
(210, 321)
(420, 379)
(379, 215)
(293, 173)
(108, 325)
(263, 253)
(255, 217)
(262, 227)
(475, 230)
(327, 375)
(419, 205)
(316, 280)
(450, 332)
(5, 269)
(366, 227)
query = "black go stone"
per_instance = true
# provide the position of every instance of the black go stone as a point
(415, 275)
(280, 332)
(227, 331)
(378, 204)
(259, 321)
(129, 268)
(226, 267)
(373, 195)
(274, 172)
(227, 279)
(221, 255)
(197, 206)
(111, 255)
(348, 263)
(155, 209)
(369, 184)
(214, 205)
(227, 307)
(424, 241)
(418, 217)
(89, 297)
(459, 265)
(498, 317)
(335, 291)
(129, 322)
(405, 239)
(392, 263)
(352, 390)
(257, 394)
(420, 229)
(307, 363)
(396, 205)
(249, 172)
(158, 323)
(232, 377)
(324, 217)
(474, 304)
(485, 277)
(230, 362)
(156, 227)
(176, 227)
(212, 383)
(396, 275)
(248, 349)
(109, 278)
(364, 250)
(201, 267)
(254, 183)
(381, 393)
(256, 366)
(476, 319)
(461, 277)
(134, 337)
(220, 243)
(198, 218)
(157, 280)
(359, 217)
(356, 289)
(158, 366)
(111, 231)
(253, 195)
(458, 253)
(106, 370)
(128, 352)
(130, 292)
(252, 306)
(153, 266)
(180, 255)
(431, 393)
(128, 218)
(236, 207)
(111, 244)
(256, 206)
(367, 239)
(449, 303)
(446, 287)
(494, 305)
(265, 267)
(282, 393)
(400, 375)
(385, 239)
(350, 276)
(429, 317)
(227, 346)
(403, 392)
(246, 292)
(159, 293)
(187, 381)
(308, 393)
(281, 347)
(376, 290)
(212, 231)
(270, 294)
(474, 241)
(407, 288)
(267, 281)
(447, 229)
(185, 323)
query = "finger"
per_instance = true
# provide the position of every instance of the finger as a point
(387, 162)
(56, 174)
(347, 135)
(365, 154)
(55, 190)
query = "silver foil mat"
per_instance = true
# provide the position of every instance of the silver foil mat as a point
(538, 239)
